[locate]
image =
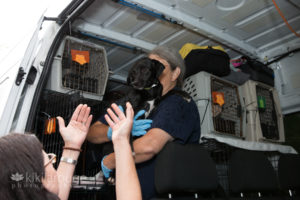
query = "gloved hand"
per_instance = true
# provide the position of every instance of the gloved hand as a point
(105, 170)
(139, 126)
(109, 131)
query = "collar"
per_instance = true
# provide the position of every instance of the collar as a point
(152, 86)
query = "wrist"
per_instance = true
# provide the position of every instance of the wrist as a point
(70, 154)
(68, 160)
(120, 141)
(72, 145)
(73, 149)
(121, 147)
(118, 138)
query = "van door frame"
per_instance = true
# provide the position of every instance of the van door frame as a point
(75, 8)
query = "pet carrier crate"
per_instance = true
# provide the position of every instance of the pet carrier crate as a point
(79, 65)
(87, 181)
(264, 121)
(53, 104)
(219, 105)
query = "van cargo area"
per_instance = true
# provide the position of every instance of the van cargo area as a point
(94, 43)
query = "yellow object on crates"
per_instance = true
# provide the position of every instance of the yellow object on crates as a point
(188, 47)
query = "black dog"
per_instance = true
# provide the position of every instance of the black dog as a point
(145, 88)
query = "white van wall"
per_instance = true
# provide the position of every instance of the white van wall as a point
(287, 82)
(17, 105)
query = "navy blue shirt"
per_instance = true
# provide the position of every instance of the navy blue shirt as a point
(179, 118)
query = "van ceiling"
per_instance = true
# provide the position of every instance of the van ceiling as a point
(128, 29)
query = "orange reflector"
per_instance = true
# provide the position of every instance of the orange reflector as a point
(218, 98)
(81, 57)
(50, 126)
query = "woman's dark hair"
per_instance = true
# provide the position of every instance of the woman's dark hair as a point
(22, 168)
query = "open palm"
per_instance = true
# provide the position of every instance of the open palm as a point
(75, 133)
(120, 124)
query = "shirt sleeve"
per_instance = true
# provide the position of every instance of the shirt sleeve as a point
(177, 117)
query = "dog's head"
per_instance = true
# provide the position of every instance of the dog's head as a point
(144, 76)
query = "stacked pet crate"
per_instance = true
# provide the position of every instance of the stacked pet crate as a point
(79, 75)
(264, 120)
(250, 111)
(79, 65)
(219, 105)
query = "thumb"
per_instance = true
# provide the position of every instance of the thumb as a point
(61, 122)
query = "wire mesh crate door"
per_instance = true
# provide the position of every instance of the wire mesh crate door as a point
(51, 106)
(55, 104)
(84, 67)
(226, 117)
(267, 113)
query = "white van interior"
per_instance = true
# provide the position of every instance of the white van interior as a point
(111, 35)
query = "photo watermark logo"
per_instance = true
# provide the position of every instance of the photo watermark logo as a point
(27, 180)
(17, 177)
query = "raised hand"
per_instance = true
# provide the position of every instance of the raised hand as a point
(120, 124)
(75, 133)
(109, 130)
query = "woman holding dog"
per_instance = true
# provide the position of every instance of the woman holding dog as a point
(175, 118)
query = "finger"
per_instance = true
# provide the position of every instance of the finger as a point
(86, 114)
(129, 111)
(142, 122)
(76, 112)
(113, 116)
(140, 113)
(117, 110)
(89, 121)
(61, 123)
(142, 127)
(108, 120)
(82, 113)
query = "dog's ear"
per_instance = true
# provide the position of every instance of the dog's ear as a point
(159, 68)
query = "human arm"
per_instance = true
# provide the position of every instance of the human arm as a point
(73, 135)
(97, 133)
(126, 175)
(145, 147)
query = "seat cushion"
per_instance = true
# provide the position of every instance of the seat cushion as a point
(185, 168)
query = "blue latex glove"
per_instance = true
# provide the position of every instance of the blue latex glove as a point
(139, 126)
(105, 170)
(109, 131)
